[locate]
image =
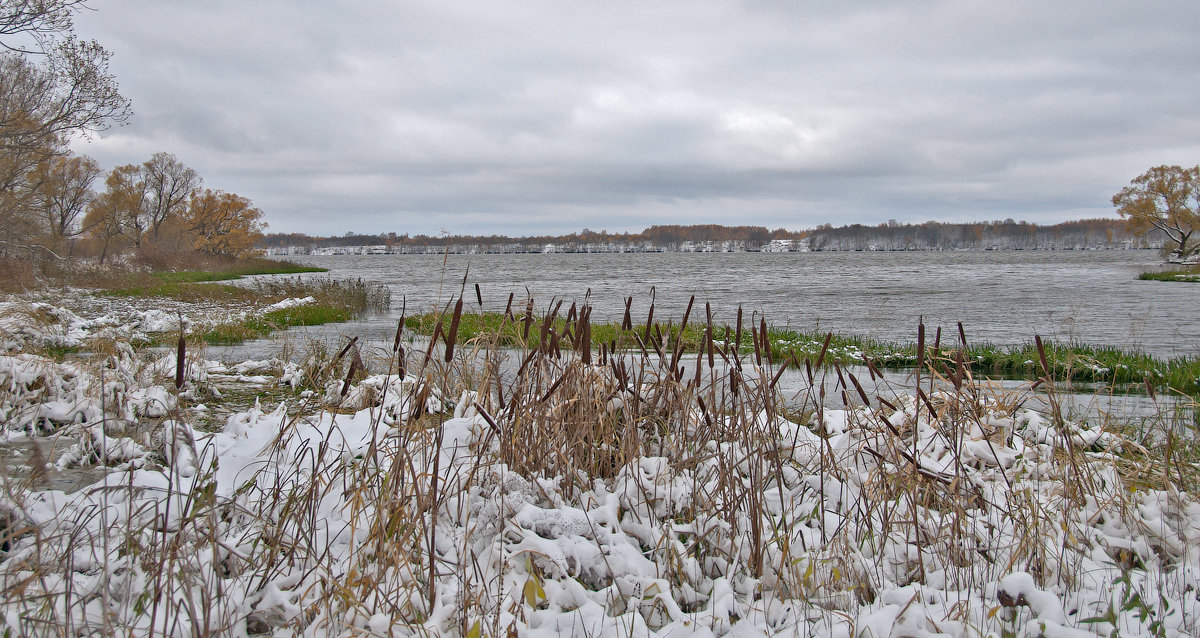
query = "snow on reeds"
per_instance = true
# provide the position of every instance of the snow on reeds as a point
(451, 488)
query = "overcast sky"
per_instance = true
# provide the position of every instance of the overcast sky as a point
(548, 116)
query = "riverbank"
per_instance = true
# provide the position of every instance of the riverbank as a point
(145, 301)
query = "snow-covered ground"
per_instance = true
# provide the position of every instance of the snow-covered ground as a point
(583, 500)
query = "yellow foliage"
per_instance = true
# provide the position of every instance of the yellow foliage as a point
(1166, 198)
(223, 223)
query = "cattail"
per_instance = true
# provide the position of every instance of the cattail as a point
(452, 336)
(437, 333)
(649, 322)
(675, 355)
(400, 326)
(543, 335)
(554, 386)
(920, 348)
(346, 349)
(354, 363)
(180, 355)
(757, 342)
(528, 319)
(478, 296)
(824, 349)
(737, 338)
(704, 411)
(1037, 339)
(586, 339)
(857, 386)
(762, 336)
(779, 373)
(420, 397)
(872, 369)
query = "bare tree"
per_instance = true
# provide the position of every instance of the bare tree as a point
(105, 221)
(52, 86)
(63, 192)
(30, 26)
(72, 93)
(169, 184)
(128, 196)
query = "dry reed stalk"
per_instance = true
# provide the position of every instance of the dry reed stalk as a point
(561, 418)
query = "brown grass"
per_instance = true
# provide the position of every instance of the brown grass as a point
(563, 416)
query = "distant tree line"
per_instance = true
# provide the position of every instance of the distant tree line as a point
(1007, 234)
(658, 235)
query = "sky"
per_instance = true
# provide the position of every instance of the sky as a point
(551, 116)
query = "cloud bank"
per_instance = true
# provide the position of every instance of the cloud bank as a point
(546, 116)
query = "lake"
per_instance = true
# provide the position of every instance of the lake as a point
(1003, 297)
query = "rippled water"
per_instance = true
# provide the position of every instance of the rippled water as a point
(1003, 297)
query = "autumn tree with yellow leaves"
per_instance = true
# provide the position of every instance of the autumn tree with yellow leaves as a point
(1167, 199)
(223, 224)
(55, 87)
(105, 222)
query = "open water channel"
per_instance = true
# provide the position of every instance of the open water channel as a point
(1003, 297)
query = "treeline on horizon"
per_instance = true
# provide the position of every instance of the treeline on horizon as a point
(887, 236)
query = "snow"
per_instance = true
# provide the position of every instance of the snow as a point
(345, 516)
(291, 303)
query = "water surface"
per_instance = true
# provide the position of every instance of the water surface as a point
(1003, 297)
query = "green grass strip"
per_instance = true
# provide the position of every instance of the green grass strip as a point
(259, 326)
(183, 291)
(1074, 362)
(1191, 275)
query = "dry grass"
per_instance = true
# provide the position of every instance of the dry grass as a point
(563, 415)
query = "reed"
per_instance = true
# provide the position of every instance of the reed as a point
(506, 473)
(334, 300)
(1070, 363)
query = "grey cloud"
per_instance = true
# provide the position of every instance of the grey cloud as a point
(549, 116)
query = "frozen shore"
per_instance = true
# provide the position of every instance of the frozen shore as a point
(612, 498)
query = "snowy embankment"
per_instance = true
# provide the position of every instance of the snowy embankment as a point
(615, 499)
